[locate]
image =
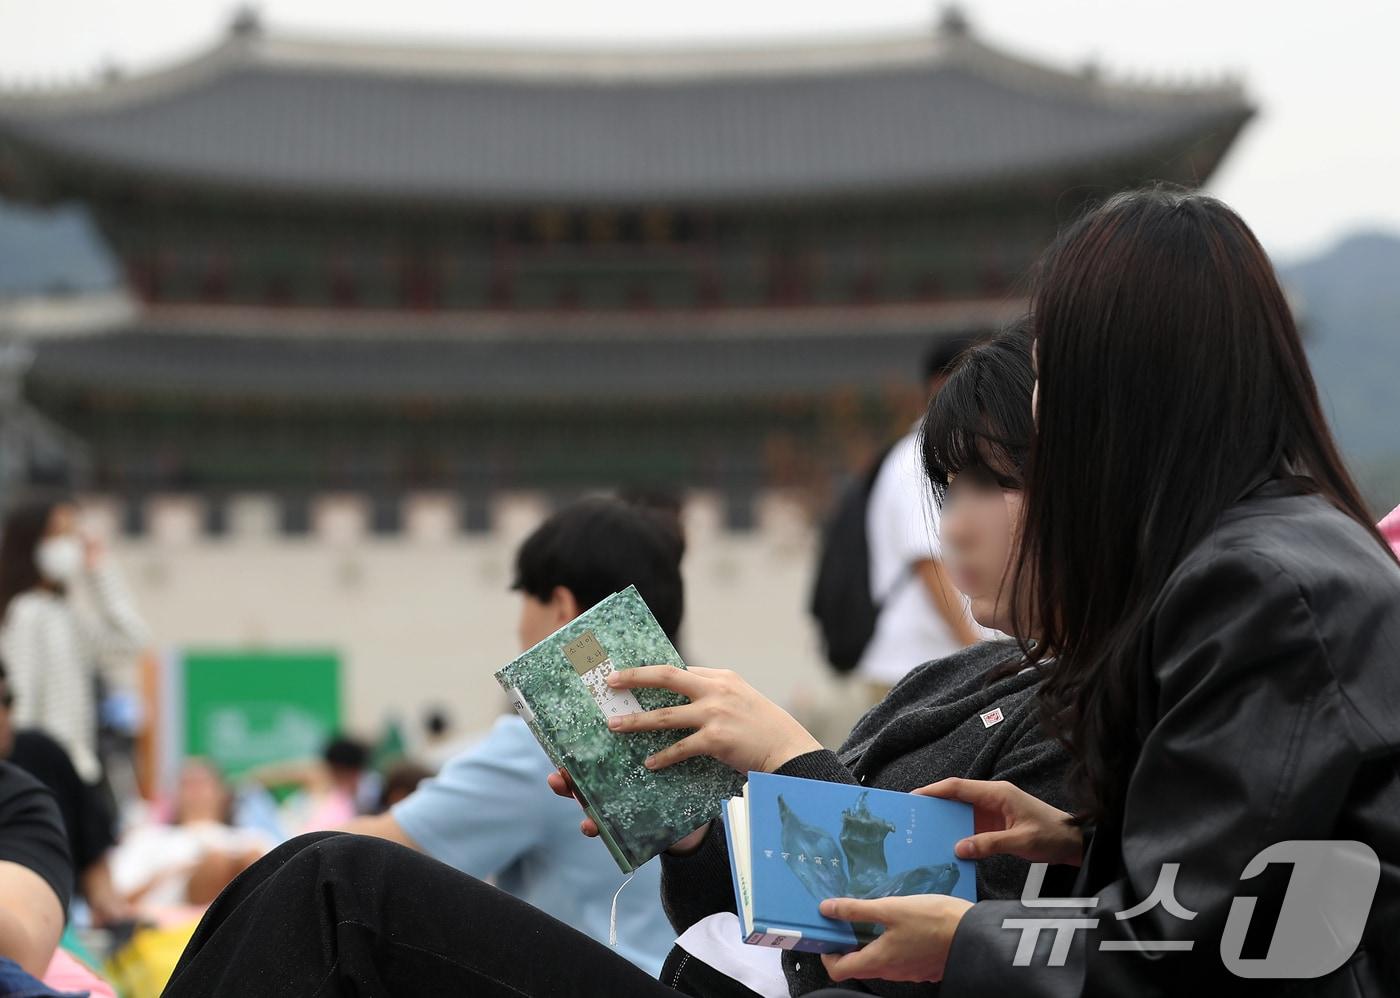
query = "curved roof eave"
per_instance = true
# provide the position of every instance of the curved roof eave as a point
(295, 117)
(324, 192)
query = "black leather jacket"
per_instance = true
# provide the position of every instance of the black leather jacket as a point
(1271, 679)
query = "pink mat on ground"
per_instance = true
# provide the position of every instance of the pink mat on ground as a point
(65, 973)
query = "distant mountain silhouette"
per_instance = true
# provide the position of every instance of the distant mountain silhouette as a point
(1350, 305)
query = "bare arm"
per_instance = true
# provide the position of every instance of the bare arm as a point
(382, 826)
(31, 918)
(107, 905)
(308, 774)
(946, 600)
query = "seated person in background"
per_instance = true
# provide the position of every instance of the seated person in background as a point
(86, 815)
(328, 791)
(400, 780)
(35, 878)
(158, 867)
(489, 813)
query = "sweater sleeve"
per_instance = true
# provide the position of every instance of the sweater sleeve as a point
(118, 628)
(820, 765)
(1037, 765)
(24, 661)
(51, 678)
(699, 884)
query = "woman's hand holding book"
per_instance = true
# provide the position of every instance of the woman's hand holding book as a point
(918, 932)
(728, 719)
(1009, 821)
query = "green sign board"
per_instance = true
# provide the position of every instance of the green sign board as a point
(244, 709)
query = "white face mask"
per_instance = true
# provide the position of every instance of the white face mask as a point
(59, 559)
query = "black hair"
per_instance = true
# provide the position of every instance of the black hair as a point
(343, 752)
(436, 721)
(667, 503)
(598, 546)
(25, 526)
(944, 352)
(1171, 381)
(980, 423)
(400, 780)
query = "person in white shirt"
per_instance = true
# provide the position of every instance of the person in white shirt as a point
(53, 651)
(922, 616)
(162, 867)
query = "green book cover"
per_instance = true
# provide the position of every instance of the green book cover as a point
(559, 687)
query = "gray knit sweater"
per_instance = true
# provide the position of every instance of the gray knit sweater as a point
(928, 727)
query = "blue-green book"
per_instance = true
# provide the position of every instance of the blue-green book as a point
(793, 843)
(559, 687)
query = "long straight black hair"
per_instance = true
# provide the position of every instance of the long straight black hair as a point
(1171, 379)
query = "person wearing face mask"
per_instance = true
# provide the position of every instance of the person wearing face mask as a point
(53, 651)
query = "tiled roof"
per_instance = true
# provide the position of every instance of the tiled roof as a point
(934, 112)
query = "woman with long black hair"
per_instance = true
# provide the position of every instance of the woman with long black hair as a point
(1225, 625)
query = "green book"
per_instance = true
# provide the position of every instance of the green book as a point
(559, 687)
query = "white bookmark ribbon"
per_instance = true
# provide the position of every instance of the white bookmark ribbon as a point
(612, 918)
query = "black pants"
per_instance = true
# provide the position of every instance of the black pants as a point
(331, 914)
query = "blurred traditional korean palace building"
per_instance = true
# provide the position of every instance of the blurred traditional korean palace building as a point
(377, 269)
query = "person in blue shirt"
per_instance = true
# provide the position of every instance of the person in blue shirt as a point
(489, 812)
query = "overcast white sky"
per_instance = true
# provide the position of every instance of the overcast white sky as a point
(1320, 160)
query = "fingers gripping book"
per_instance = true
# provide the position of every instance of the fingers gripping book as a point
(560, 689)
(793, 843)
